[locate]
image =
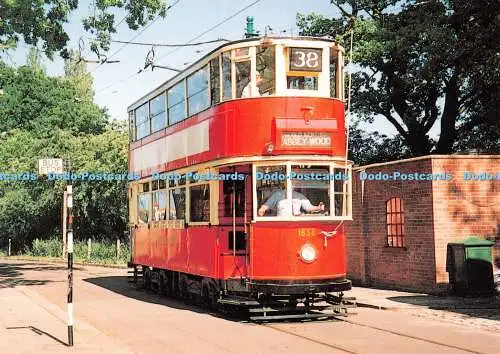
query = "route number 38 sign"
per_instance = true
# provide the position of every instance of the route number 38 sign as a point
(305, 59)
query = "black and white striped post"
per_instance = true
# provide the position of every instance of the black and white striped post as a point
(69, 193)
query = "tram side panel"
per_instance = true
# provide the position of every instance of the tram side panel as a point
(192, 250)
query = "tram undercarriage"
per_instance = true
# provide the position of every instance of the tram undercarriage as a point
(257, 301)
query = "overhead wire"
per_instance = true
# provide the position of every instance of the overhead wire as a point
(173, 45)
(137, 35)
(193, 39)
(213, 27)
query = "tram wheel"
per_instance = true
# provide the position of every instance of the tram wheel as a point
(169, 290)
(147, 278)
(161, 283)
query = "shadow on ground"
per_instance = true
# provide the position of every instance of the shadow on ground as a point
(40, 333)
(122, 286)
(488, 307)
(12, 274)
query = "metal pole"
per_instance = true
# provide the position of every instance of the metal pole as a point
(65, 218)
(9, 246)
(70, 260)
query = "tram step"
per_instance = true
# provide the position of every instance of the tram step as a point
(296, 316)
(298, 308)
(238, 302)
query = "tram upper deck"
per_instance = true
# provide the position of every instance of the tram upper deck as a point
(255, 97)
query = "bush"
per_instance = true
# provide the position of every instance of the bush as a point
(102, 252)
(46, 248)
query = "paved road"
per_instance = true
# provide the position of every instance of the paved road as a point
(114, 317)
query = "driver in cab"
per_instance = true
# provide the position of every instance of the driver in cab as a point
(281, 204)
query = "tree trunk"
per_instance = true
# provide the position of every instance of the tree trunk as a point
(448, 130)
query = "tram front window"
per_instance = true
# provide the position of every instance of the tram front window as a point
(308, 197)
(313, 183)
(302, 82)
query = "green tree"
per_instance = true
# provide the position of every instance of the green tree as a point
(35, 102)
(423, 62)
(43, 20)
(76, 72)
(34, 60)
(31, 209)
(56, 117)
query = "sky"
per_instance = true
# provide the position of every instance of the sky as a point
(117, 85)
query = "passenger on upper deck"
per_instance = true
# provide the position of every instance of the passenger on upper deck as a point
(247, 91)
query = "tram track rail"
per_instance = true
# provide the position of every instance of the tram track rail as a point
(276, 326)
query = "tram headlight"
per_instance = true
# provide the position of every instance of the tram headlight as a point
(308, 253)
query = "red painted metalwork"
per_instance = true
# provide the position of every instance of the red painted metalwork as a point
(243, 128)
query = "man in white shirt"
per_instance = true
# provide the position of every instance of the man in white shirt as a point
(279, 202)
(248, 92)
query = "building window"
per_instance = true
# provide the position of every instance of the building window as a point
(395, 222)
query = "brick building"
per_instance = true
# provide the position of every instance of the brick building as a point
(401, 228)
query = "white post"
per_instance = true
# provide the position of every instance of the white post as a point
(70, 263)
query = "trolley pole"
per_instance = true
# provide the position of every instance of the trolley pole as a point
(69, 193)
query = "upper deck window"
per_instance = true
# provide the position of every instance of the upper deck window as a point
(226, 77)
(214, 81)
(305, 66)
(197, 85)
(176, 97)
(157, 107)
(266, 63)
(142, 121)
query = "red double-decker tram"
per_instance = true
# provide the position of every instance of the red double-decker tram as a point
(244, 180)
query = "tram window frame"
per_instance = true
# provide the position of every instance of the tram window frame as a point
(345, 194)
(155, 114)
(261, 51)
(139, 209)
(175, 103)
(227, 195)
(215, 80)
(171, 199)
(194, 205)
(226, 81)
(332, 166)
(194, 90)
(293, 72)
(161, 213)
(131, 126)
(143, 121)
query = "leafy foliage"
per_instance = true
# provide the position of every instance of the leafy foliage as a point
(422, 63)
(32, 208)
(34, 102)
(56, 117)
(366, 148)
(43, 20)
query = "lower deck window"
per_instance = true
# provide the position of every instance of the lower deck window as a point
(177, 204)
(200, 203)
(144, 202)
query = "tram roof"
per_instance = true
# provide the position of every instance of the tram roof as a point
(188, 70)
